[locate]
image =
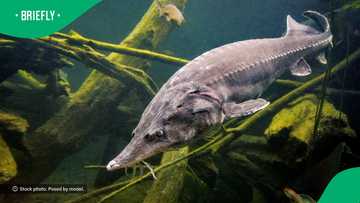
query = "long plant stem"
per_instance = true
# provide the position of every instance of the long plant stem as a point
(344, 76)
(322, 94)
(105, 46)
(330, 91)
(95, 166)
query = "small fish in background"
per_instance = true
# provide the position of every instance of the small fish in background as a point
(297, 198)
(170, 12)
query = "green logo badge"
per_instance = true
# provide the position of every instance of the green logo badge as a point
(38, 18)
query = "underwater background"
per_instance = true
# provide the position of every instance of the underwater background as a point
(277, 152)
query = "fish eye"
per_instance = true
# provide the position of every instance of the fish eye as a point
(160, 134)
(199, 112)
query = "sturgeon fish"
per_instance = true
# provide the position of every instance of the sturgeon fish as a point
(222, 83)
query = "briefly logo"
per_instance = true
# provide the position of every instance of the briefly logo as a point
(39, 18)
(37, 15)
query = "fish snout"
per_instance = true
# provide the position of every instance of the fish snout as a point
(129, 156)
(112, 165)
(119, 162)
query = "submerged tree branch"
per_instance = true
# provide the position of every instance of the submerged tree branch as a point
(121, 49)
(85, 54)
(329, 91)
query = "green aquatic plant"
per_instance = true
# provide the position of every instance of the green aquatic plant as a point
(10, 125)
(121, 49)
(95, 166)
(326, 79)
(329, 91)
(323, 93)
(8, 166)
(355, 4)
(291, 129)
(13, 124)
(30, 80)
(347, 33)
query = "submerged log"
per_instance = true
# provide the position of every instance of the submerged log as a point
(121, 49)
(291, 131)
(24, 95)
(17, 54)
(8, 166)
(169, 183)
(177, 183)
(61, 50)
(290, 153)
(11, 126)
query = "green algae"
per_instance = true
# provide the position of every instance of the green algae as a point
(29, 80)
(8, 167)
(12, 124)
(292, 128)
(176, 184)
(352, 5)
(135, 194)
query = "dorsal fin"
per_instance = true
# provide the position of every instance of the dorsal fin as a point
(294, 28)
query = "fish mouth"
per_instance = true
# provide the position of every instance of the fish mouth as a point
(119, 163)
(135, 152)
(124, 161)
(114, 165)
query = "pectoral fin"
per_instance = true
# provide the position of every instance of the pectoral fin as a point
(248, 107)
(322, 58)
(300, 68)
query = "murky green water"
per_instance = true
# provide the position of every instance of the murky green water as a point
(92, 124)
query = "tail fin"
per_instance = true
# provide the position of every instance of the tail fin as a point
(294, 28)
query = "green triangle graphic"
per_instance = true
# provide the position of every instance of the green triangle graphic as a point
(343, 188)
